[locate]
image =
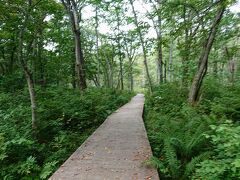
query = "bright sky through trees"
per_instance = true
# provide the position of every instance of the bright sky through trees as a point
(142, 8)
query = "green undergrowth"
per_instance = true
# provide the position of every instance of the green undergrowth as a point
(200, 142)
(66, 118)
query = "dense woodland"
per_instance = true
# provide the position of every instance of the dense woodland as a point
(66, 65)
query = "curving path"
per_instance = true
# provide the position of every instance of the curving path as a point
(115, 151)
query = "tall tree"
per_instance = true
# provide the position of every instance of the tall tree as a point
(117, 11)
(203, 60)
(143, 46)
(24, 55)
(157, 24)
(130, 47)
(97, 45)
(73, 13)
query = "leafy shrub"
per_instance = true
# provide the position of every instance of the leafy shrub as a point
(12, 81)
(225, 162)
(66, 119)
(176, 130)
(181, 144)
(3, 153)
(221, 101)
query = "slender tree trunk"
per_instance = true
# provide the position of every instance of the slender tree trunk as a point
(23, 63)
(28, 77)
(80, 61)
(130, 50)
(71, 7)
(215, 65)
(170, 65)
(108, 72)
(158, 29)
(203, 60)
(143, 47)
(160, 53)
(32, 98)
(34, 61)
(119, 50)
(222, 67)
(130, 74)
(121, 74)
(215, 68)
(111, 70)
(11, 63)
(165, 73)
(120, 65)
(97, 46)
(231, 68)
(106, 75)
(73, 68)
(231, 65)
(131, 79)
(157, 71)
(111, 74)
(160, 62)
(40, 57)
(185, 59)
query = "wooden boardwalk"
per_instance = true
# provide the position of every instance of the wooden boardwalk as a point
(115, 151)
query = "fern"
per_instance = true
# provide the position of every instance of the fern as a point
(182, 141)
(3, 147)
(171, 158)
(195, 141)
(155, 162)
(190, 167)
(48, 169)
(29, 166)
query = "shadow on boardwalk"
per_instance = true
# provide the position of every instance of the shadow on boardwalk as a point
(116, 150)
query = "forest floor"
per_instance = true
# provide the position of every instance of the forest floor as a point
(116, 150)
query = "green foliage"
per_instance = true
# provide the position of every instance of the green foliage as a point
(2, 148)
(28, 167)
(47, 170)
(66, 119)
(221, 102)
(177, 131)
(225, 163)
(12, 82)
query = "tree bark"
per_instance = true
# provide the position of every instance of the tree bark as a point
(28, 77)
(158, 29)
(73, 68)
(231, 65)
(130, 54)
(170, 64)
(185, 59)
(215, 65)
(160, 52)
(97, 46)
(42, 78)
(131, 75)
(203, 60)
(71, 8)
(165, 72)
(119, 50)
